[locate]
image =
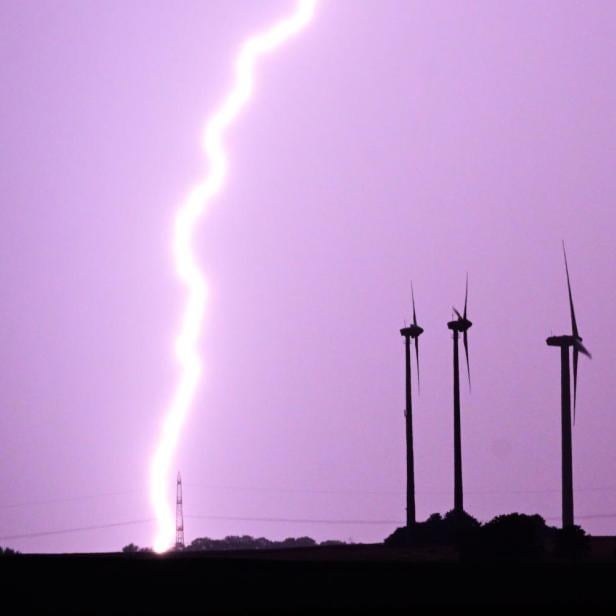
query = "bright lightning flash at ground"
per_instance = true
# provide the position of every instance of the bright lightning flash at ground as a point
(187, 349)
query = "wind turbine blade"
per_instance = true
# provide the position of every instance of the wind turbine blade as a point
(413, 297)
(466, 296)
(457, 313)
(575, 368)
(574, 327)
(417, 361)
(468, 366)
(582, 349)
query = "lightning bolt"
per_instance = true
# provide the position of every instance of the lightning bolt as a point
(187, 217)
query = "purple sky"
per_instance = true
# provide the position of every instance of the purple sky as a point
(390, 141)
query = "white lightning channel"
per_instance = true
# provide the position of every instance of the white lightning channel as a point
(187, 217)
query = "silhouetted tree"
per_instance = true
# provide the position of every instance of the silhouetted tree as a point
(246, 542)
(300, 542)
(514, 536)
(332, 542)
(437, 530)
(570, 543)
(131, 548)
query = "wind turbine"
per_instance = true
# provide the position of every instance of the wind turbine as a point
(564, 342)
(412, 332)
(461, 325)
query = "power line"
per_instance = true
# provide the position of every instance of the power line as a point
(66, 531)
(287, 490)
(79, 529)
(292, 520)
(397, 492)
(70, 499)
(591, 516)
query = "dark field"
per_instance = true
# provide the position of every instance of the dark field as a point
(356, 577)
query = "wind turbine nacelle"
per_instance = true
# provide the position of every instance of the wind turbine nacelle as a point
(460, 325)
(561, 341)
(412, 331)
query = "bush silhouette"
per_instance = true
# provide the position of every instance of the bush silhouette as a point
(514, 536)
(453, 529)
(246, 542)
(570, 543)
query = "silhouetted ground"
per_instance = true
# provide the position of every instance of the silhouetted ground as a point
(355, 577)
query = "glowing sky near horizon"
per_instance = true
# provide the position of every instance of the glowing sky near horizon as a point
(188, 269)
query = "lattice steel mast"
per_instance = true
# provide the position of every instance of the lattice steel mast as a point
(179, 516)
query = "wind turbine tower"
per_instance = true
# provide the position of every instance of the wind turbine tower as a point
(564, 342)
(179, 516)
(412, 332)
(461, 325)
